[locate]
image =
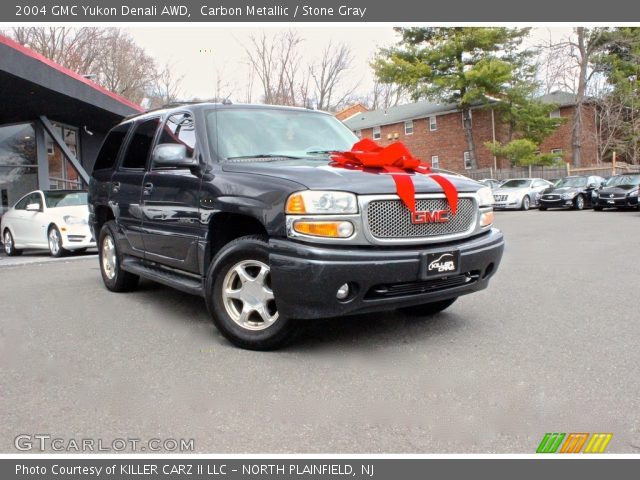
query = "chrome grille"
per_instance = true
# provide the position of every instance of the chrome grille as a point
(551, 197)
(392, 219)
(500, 198)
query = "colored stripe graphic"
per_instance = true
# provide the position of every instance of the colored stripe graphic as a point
(598, 443)
(574, 443)
(550, 442)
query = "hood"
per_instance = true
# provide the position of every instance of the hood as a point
(510, 191)
(80, 211)
(618, 189)
(319, 175)
(561, 190)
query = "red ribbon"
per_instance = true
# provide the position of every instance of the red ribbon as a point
(397, 161)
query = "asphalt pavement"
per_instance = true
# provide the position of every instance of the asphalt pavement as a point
(550, 346)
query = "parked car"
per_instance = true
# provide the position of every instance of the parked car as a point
(575, 192)
(519, 193)
(242, 204)
(620, 191)
(492, 183)
(56, 220)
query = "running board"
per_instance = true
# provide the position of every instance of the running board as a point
(183, 282)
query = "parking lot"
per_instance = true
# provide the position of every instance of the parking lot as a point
(551, 346)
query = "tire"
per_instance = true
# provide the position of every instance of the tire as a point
(8, 243)
(240, 262)
(578, 203)
(526, 203)
(428, 308)
(598, 209)
(542, 209)
(114, 278)
(54, 239)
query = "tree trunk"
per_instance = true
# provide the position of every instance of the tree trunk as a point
(576, 132)
(468, 133)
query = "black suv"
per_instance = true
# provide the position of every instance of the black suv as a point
(241, 204)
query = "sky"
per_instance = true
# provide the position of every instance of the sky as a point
(202, 54)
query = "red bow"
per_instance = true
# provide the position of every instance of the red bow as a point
(397, 161)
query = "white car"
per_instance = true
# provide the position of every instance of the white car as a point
(56, 220)
(519, 193)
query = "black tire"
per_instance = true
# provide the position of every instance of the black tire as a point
(578, 203)
(542, 209)
(526, 203)
(254, 332)
(598, 209)
(116, 279)
(428, 308)
(8, 243)
(54, 238)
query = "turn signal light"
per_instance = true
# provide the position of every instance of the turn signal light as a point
(324, 229)
(295, 204)
(486, 219)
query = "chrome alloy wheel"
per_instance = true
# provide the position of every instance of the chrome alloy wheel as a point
(247, 295)
(109, 260)
(8, 243)
(54, 241)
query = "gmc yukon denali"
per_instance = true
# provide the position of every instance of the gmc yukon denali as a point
(243, 205)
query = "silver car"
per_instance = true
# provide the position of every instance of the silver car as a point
(519, 193)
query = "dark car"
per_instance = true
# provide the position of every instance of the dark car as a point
(243, 206)
(620, 191)
(571, 192)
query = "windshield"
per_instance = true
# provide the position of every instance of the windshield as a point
(517, 183)
(623, 181)
(65, 199)
(251, 132)
(572, 182)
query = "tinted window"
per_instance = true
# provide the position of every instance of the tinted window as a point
(110, 148)
(140, 144)
(518, 183)
(22, 204)
(179, 129)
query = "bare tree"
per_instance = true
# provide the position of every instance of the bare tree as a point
(166, 88)
(385, 95)
(328, 76)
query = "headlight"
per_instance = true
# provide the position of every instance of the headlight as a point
(568, 196)
(633, 193)
(318, 202)
(71, 220)
(485, 197)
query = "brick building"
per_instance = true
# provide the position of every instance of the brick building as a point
(434, 132)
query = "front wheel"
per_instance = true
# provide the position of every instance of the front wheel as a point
(578, 203)
(428, 308)
(526, 203)
(55, 243)
(542, 209)
(114, 278)
(9, 244)
(240, 298)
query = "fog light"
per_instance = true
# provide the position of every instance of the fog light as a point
(343, 292)
(486, 219)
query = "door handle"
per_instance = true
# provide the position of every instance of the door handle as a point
(148, 188)
(115, 187)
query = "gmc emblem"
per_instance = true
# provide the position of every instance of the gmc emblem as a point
(436, 216)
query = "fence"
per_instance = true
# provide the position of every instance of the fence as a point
(549, 173)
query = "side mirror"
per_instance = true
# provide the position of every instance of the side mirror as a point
(33, 207)
(592, 185)
(172, 155)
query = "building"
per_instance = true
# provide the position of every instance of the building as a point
(351, 111)
(52, 123)
(434, 132)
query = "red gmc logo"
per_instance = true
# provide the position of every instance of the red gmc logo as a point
(436, 216)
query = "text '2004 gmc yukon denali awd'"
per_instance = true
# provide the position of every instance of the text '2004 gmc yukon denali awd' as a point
(244, 206)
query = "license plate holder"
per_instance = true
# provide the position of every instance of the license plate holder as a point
(441, 264)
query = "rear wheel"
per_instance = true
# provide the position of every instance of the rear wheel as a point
(526, 203)
(9, 244)
(428, 308)
(55, 242)
(114, 278)
(240, 298)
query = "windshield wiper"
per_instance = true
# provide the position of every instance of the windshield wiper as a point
(312, 152)
(262, 155)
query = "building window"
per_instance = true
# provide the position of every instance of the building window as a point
(433, 124)
(467, 160)
(376, 133)
(408, 127)
(555, 113)
(359, 133)
(558, 154)
(435, 162)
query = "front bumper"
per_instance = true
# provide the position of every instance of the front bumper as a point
(509, 204)
(557, 203)
(305, 278)
(621, 202)
(75, 237)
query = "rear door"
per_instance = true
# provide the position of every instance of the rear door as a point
(170, 202)
(126, 184)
